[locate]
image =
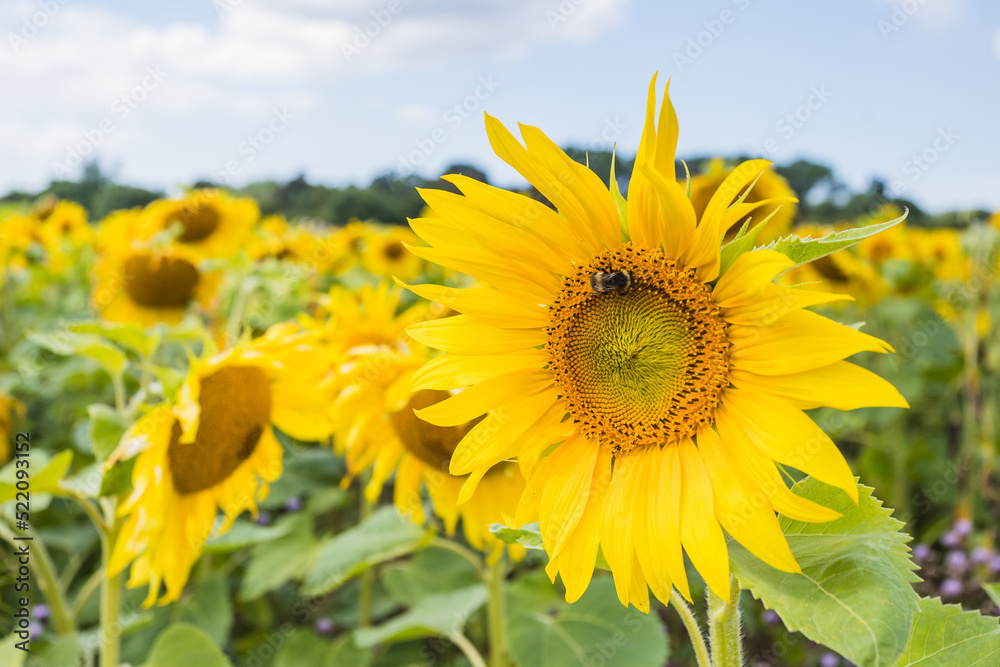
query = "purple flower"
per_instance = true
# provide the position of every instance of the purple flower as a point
(963, 527)
(293, 504)
(951, 539)
(263, 519)
(34, 630)
(324, 626)
(829, 659)
(771, 617)
(981, 555)
(956, 561)
(951, 588)
(40, 611)
(995, 564)
(921, 552)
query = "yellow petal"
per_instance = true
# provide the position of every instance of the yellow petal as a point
(742, 508)
(700, 532)
(495, 438)
(799, 341)
(737, 446)
(462, 335)
(509, 275)
(747, 276)
(452, 371)
(480, 398)
(665, 515)
(650, 550)
(568, 472)
(617, 525)
(784, 433)
(485, 305)
(841, 385)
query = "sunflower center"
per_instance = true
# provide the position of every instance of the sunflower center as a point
(159, 282)
(235, 410)
(394, 251)
(432, 444)
(197, 220)
(643, 365)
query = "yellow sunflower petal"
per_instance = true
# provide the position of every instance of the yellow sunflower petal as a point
(788, 436)
(700, 531)
(452, 371)
(462, 335)
(841, 385)
(485, 305)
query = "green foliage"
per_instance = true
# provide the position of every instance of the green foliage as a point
(430, 571)
(185, 644)
(804, 250)
(945, 636)
(303, 647)
(855, 591)
(288, 556)
(381, 537)
(443, 615)
(597, 629)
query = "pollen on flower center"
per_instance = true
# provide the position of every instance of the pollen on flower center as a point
(642, 367)
(159, 282)
(235, 410)
(198, 222)
(432, 444)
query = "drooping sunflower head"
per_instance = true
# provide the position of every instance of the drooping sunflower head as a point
(211, 450)
(148, 286)
(770, 185)
(648, 387)
(209, 222)
(375, 425)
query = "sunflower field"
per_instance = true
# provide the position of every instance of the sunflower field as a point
(668, 421)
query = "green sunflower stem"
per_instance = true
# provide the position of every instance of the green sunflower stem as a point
(724, 627)
(111, 594)
(497, 614)
(686, 613)
(367, 577)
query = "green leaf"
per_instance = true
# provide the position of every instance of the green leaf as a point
(304, 647)
(436, 615)
(108, 355)
(209, 607)
(993, 590)
(280, 560)
(528, 536)
(802, 251)
(945, 636)
(430, 571)
(854, 594)
(128, 335)
(184, 644)
(596, 629)
(382, 536)
(106, 429)
(10, 655)
(44, 474)
(245, 534)
(58, 652)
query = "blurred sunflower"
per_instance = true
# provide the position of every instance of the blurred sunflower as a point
(646, 397)
(213, 449)
(770, 186)
(375, 425)
(893, 243)
(150, 286)
(119, 229)
(10, 409)
(386, 254)
(212, 223)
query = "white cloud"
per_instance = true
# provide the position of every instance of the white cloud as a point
(70, 66)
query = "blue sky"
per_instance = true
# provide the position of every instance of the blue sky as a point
(240, 90)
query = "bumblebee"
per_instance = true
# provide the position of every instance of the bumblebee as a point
(613, 281)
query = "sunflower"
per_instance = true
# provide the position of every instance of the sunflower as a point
(120, 230)
(152, 285)
(385, 254)
(769, 186)
(212, 223)
(373, 415)
(10, 409)
(647, 394)
(213, 449)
